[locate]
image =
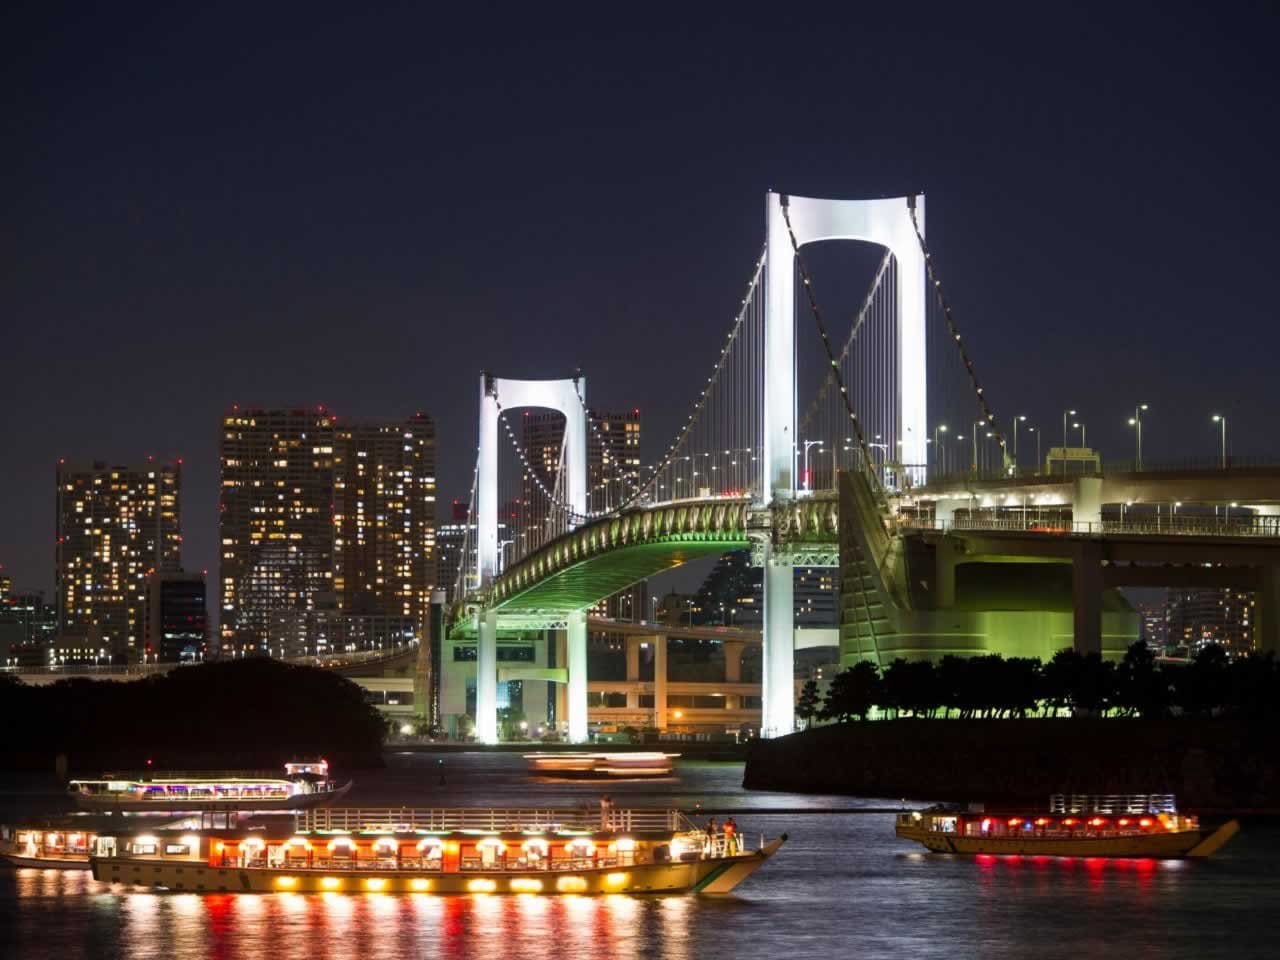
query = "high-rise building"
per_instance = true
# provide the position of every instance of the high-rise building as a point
(176, 625)
(277, 519)
(385, 526)
(733, 594)
(115, 525)
(613, 452)
(451, 537)
(317, 515)
(1197, 618)
(27, 628)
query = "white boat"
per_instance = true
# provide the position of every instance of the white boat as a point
(304, 784)
(602, 766)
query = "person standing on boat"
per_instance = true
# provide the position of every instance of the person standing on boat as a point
(730, 837)
(709, 848)
(606, 812)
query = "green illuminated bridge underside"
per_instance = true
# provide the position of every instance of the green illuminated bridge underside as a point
(597, 560)
(600, 558)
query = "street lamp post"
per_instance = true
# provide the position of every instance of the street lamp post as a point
(976, 424)
(807, 445)
(1220, 419)
(1016, 421)
(1038, 460)
(1064, 438)
(1136, 421)
(1083, 443)
(937, 450)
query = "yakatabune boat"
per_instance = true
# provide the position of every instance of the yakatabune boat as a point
(1143, 825)
(304, 784)
(352, 850)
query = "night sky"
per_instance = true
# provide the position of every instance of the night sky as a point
(206, 205)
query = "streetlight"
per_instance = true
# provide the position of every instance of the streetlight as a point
(1136, 421)
(1065, 413)
(960, 439)
(1016, 421)
(807, 445)
(1038, 460)
(1081, 428)
(1220, 419)
(974, 435)
(937, 450)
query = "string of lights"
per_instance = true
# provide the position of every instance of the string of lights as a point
(955, 335)
(701, 402)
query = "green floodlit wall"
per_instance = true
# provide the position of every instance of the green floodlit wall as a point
(1013, 609)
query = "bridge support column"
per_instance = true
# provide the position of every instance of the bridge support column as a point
(946, 552)
(660, 682)
(1086, 504)
(733, 660)
(778, 687)
(1086, 598)
(1268, 610)
(577, 664)
(487, 678)
(633, 671)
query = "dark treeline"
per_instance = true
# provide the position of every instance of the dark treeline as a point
(992, 686)
(255, 712)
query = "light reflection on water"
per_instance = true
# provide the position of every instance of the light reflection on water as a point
(843, 886)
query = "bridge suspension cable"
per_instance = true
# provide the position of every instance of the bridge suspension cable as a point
(717, 450)
(978, 390)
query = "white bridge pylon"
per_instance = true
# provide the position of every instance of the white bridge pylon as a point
(569, 398)
(886, 222)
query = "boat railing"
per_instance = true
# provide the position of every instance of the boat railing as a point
(446, 820)
(1112, 803)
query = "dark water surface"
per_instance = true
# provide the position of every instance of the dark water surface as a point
(842, 887)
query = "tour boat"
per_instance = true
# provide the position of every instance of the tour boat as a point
(56, 848)
(403, 850)
(304, 784)
(602, 766)
(1142, 825)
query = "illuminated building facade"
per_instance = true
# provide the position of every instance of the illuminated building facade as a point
(27, 627)
(176, 627)
(277, 519)
(331, 632)
(1197, 618)
(613, 452)
(115, 524)
(384, 495)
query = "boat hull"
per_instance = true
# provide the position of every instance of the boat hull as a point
(709, 876)
(1183, 843)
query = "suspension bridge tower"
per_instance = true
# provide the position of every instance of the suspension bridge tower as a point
(791, 223)
(497, 395)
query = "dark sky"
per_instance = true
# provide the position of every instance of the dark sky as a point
(207, 204)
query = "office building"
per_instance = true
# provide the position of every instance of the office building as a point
(1224, 616)
(176, 627)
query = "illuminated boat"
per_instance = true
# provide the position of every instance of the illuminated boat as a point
(1080, 826)
(348, 850)
(56, 848)
(304, 784)
(602, 766)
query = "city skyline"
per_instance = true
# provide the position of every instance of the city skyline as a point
(1150, 141)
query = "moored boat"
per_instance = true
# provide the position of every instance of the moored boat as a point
(1080, 826)
(401, 850)
(304, 784)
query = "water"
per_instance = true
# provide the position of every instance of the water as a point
(843, 886)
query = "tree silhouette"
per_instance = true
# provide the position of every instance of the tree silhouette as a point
(809, 704)
(853, 692)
